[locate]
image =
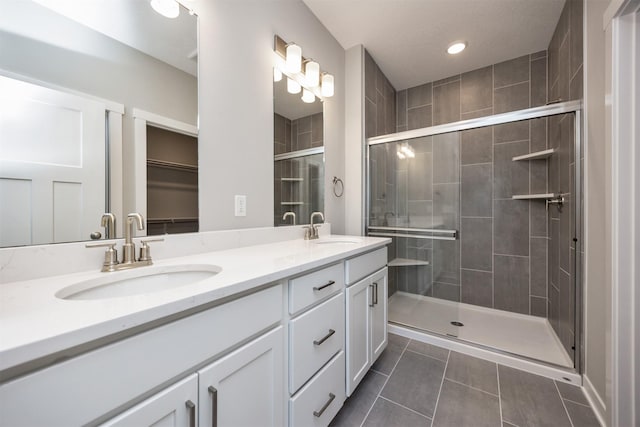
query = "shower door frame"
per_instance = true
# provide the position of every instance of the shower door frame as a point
(568, 107)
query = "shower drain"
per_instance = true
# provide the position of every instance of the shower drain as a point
(456, 323)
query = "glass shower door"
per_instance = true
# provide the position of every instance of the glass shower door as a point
(414, 198)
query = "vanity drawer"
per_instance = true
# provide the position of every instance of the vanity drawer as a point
(313, 287)
(314, 338)
(364, 265)
(321, 399)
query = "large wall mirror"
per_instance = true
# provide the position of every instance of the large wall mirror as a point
(77, 78)
(298, 144)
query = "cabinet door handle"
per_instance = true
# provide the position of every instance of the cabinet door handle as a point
(372, 303)
(323, 339)
(192, 413)
(326, 405)
(214, 405)
(375, 293)
(319, 288)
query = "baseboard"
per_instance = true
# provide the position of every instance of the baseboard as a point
(595, 401)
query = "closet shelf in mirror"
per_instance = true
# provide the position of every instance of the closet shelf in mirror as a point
(405, 262)
(538, 155)
(292, 179)
(542, 196)
(172, 165)
(172, 185)
(291, 203)
(171, 220)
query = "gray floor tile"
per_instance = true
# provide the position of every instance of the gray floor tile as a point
(460, 405)
(356, 407)
(429, 350)
(385, 414)
(506, 424)
(572, 392)
(415, 382)
(530, 400)
(581, 416)
(391, 354)
(473, 372)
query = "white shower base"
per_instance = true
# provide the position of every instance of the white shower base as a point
(519, 334)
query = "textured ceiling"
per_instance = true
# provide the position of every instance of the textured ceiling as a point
(408, 38)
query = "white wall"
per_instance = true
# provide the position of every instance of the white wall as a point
(236, 107)
(597, 201)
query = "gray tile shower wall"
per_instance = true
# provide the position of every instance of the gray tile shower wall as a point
(294, 135)
(565, 83)
(380, 100)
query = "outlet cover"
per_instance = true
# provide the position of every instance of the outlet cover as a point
(241, 205)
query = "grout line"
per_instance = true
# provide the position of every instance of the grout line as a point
(578, 403)
(514, 84)
(407, 408)
(476, 164)
(510, 142)
(435, 408)
(385, 383)
(474, 269)
(563, 405)
(471, 387)
(426, 355)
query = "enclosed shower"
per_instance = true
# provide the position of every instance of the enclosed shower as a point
(485, 222)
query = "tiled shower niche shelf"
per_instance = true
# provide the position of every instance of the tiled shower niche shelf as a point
(291, 203)
(536, 156)
(405, 262)
(543, 196)
(292, 179)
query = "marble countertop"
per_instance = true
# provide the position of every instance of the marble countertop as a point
(34, 323)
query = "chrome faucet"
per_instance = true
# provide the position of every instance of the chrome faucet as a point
(291, 214)
(108, 221)
(311, 232)
(128, 248)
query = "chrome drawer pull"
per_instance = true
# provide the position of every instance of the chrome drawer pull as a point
(214, 406)
(326, 405)
(372, 303)
(192, 413)
(375, 294)
(319, 288)
(326, 337)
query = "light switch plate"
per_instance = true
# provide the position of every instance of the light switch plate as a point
(241, 205)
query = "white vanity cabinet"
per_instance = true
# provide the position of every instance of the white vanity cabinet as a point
(316, 346)
(145, 371)
(245, 388)
(175, 406)
(366, 314)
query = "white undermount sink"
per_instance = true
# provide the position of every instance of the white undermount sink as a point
(137, 281)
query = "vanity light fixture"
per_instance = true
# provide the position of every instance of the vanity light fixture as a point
(301, 72)
(166, 8)
(294, 58)
(308, 96)
(327, 87)
(277, 74)
(456, 47)
(312, 73)
(293, 86)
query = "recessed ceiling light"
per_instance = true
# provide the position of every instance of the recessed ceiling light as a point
(456, 47)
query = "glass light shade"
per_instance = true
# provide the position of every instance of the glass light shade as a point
(277, 74)
(293, 86)
(456, 47)
(312, 73)
(308, 96)
(294, 58)
(327, 85)
(166, 8)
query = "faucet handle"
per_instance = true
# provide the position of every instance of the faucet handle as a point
(145, 249)
(110, 255)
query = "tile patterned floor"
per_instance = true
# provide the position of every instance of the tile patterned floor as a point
(417, 384)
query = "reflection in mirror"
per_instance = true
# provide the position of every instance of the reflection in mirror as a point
(299, 157)
(73, 74)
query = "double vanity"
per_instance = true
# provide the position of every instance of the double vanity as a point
(271, 334)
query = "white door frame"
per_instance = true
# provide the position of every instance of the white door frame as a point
(141, 119)
(622, 15)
